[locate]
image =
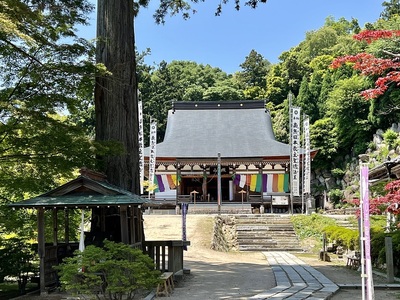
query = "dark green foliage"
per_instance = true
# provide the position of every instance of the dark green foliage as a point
(349, 113)
(378, 250)
(254, 71)
(324, 137)
(111, 272)
(335, 196)
(391, 8)
(18, 259)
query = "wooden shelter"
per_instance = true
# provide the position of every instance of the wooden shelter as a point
(116, 215)
(251, 159)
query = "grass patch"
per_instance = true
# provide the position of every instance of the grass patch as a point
(9, 290)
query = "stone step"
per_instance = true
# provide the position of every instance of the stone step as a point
(277, 248)
(266, 233)
(268, 243)
(263, 228)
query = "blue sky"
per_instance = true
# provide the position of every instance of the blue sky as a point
(225, 41)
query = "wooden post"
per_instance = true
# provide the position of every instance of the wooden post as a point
(131, 222)
(41, 249)
(389, 259)
(204, 184)
(66, 231)
(55, 236)
(124, 224)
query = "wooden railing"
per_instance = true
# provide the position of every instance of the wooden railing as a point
(167, 255)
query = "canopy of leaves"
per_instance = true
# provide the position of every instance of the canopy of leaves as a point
(46, 76)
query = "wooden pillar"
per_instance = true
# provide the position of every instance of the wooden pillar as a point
(66, 232)
(124, 224)
(204, 185)
(178, 184)
(55, 223)
(41, 248)
(131, 213)
(140, 220)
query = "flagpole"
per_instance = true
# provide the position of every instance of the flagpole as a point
(219, 182)
(290, 95)
(365, 239)
(303, 168)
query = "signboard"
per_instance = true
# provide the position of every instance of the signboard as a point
(280, 200)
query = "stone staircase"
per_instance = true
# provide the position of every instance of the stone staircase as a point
(266, 233)
(343, 221)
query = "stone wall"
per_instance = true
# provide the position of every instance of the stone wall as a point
(224, 234)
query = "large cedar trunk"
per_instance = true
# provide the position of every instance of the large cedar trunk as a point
(116, 94)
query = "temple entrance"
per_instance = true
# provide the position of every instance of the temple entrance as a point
(212, 189)
(210, 194)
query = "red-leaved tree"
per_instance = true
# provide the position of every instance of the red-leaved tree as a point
(388, 69)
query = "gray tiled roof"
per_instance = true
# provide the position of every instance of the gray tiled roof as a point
(196, 131)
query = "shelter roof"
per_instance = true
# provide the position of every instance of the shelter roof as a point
(236, 129)
(84, 191)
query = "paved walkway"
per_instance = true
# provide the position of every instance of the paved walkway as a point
(295, 279)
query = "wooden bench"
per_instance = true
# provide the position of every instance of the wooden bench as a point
(167, 284)
(353, 262)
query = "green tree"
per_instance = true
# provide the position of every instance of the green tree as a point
(46, 76)
(349, 113)
(44, 71)
(323, 136)
(391, 8)
(18, 259)
(183, 80)
(254, 71)
(277, 85)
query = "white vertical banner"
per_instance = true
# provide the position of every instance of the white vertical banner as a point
(295, 151)
(141, 146)
(307, 159)
(82, 237)
(152, 157)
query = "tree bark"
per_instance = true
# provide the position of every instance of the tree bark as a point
(116, 94)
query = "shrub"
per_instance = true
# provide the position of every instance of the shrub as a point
(390, 136)
(115, 271)
(341, 236)
(339, 173)
(335, 195)
(311, 226)
(378, 251)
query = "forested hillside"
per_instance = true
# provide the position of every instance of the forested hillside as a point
(343, 122)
